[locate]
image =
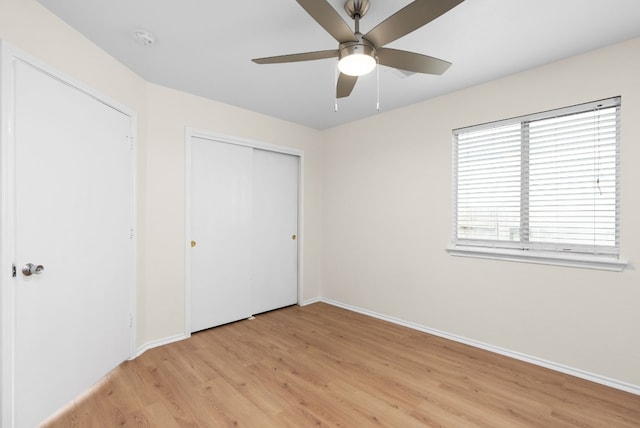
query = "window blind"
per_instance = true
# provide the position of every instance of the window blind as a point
(547, 181)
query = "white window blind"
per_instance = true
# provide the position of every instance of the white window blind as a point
(542, 182)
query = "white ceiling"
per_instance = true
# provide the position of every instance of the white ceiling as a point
(204, 47)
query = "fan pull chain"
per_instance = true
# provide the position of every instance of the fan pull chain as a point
(335, 88)
(378, 83)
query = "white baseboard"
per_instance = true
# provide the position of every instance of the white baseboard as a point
(613, 383)
(155, 343)
(311, 301)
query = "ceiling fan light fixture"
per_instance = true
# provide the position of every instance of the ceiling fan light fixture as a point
(357, 59)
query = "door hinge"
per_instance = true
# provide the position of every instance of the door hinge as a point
(14, 273)
(132, 143)
(130, 320)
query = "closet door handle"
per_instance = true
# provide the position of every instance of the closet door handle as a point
(293, 236)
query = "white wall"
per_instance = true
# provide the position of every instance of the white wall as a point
(387, 222)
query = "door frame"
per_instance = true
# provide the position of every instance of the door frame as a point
(191, 133)
(9, 55)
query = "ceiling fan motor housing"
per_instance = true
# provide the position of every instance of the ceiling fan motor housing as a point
(361, 47)
(356, 7)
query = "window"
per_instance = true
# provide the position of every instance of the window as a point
(541, 188)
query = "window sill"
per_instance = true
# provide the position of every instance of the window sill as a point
(587, 261)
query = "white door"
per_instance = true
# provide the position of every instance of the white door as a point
(275, 225)
(244, 211)
(221, 233)
(73, 216)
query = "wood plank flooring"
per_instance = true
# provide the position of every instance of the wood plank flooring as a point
(324, 366)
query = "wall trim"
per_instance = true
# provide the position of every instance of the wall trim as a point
(311, 301)
(603, 380)
(160, 342)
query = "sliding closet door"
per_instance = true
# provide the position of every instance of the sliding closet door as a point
(275, 225)
(221, 196)
(244, 226)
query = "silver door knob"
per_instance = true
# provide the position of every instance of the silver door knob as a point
(30, 269)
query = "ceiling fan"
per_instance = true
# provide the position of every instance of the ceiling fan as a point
(358, 53)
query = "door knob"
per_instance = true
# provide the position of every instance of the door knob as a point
(30, 269)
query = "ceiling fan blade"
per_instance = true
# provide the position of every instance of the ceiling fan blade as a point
(306, 56)
(411, 61)
(345, 85)
(329, 19)
(408, 19)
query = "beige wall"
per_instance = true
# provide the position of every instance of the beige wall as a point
(381, 190)
(163, 115)
(387, 222)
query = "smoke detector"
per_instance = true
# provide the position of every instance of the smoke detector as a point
(144, 38)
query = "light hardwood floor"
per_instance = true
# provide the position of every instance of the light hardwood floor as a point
(324, 366)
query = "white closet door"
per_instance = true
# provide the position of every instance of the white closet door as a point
(73, 214)
(221, 197)
(244, 226)
(275, 229)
